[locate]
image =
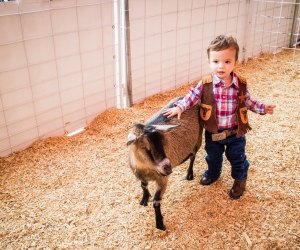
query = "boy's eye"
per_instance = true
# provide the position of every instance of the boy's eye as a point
(227, 61)
(215, 61)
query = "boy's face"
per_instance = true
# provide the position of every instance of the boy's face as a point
(222, 62)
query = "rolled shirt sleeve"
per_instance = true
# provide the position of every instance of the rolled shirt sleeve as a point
(254, 106)
(191, 98)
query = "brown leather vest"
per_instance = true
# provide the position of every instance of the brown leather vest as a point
(208, 107)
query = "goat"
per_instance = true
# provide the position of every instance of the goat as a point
(159, 145)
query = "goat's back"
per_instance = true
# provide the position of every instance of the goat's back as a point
(183, 141)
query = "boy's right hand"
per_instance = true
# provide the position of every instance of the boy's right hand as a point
(172, 111)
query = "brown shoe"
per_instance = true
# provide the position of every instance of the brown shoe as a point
(206, 181)
(237, 189)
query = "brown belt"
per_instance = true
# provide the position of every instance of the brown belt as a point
(223, 135)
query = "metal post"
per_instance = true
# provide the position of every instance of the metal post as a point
(247, 34)
(122, 54)
(296, 9)
(128, 54)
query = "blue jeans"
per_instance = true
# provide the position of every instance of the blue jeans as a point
(234, 149)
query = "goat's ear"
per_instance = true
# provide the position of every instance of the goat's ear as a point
(138, 127)
(165, 128)
(131, 138)
(135, 133)
(146, 143)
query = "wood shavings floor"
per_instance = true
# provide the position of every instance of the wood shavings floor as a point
(78, 193)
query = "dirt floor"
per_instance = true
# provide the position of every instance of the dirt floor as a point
(79, 193)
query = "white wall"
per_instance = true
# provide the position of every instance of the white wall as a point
(56, 67)
(271, 26)
(169, 39)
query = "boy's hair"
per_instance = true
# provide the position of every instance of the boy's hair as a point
(223, 42)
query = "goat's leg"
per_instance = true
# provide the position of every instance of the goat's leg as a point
(161, 188)
(146, 193)
(190, 171)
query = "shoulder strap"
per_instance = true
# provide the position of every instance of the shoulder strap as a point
(242, 80)
(242, 85)
(207, 79)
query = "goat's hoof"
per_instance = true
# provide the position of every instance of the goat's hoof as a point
(144, 203)
(190, 177)
(161, 227)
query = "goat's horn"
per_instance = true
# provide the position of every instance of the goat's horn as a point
(165, 128)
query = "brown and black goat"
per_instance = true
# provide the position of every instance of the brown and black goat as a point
(159, 145)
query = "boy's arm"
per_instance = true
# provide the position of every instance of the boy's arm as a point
(187, 102)
(269, 109)
(258, 107)
(191, 99)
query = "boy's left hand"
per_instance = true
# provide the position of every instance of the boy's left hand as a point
(269, 109)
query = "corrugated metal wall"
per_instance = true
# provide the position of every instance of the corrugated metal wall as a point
(57, 66)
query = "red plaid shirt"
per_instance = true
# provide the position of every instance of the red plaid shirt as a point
(226, 99)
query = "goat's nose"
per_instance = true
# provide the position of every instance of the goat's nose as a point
(167, 169)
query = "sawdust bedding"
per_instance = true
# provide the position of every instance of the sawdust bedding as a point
(78, 193)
